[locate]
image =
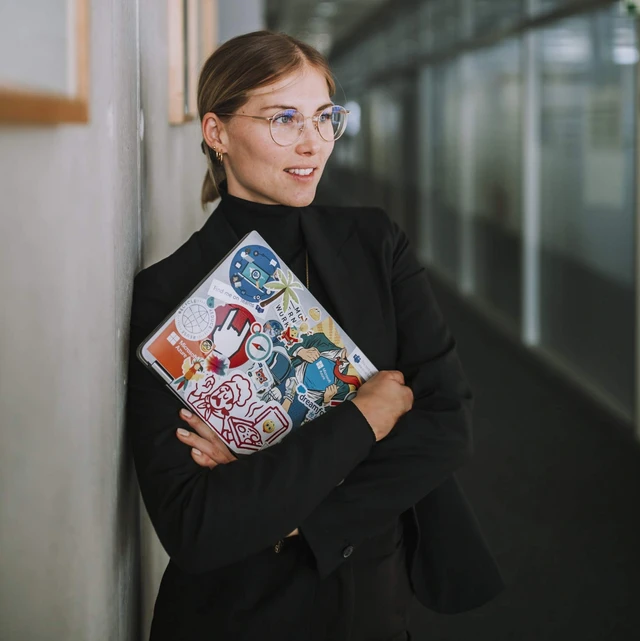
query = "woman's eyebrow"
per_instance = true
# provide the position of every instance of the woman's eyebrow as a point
(328, 104)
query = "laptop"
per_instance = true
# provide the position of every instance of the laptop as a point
(253, 353)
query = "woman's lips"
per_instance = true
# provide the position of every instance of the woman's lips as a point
(298, 177)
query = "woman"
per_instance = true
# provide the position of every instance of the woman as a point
(328, 535)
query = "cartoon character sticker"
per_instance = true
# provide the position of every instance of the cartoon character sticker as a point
(230, 407)
(192, 371)
(322, 368)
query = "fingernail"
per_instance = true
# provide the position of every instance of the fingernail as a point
(186, 413)
(197, 452)
(183, 432)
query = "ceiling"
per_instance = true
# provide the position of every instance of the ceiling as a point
(320, 23)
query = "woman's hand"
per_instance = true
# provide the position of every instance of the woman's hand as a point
(207, 448)
(383, 399)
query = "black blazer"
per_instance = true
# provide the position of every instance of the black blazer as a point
(209, 519)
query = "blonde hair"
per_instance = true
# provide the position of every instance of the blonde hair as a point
(239, 66)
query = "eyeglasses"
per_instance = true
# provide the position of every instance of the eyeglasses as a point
(287, 126)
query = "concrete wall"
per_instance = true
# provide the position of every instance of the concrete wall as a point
(81, 207)
(172, 174)
(68, 250)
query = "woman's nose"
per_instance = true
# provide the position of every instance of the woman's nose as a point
(309, 141)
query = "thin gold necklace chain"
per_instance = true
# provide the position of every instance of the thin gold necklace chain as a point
(306, 259)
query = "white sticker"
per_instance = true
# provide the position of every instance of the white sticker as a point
(195, 319)
(362, 364)
(224, 292)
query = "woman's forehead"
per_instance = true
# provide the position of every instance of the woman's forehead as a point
(299, 89)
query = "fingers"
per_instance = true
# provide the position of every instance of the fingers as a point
(394, 375)
(202, 459)
(204, 441)
(194, 421)
(204, 452)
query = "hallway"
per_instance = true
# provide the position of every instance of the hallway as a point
(556, 486)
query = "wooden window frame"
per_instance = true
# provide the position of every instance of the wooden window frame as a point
(183, 60)
(189, 45)
(32, 107)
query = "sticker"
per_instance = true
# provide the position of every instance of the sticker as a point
(206, 346)
(219, 289)
(362, 364)
(273, 329)
(256, 328)
(231, 330)
(290, 336)
(192, 371)
(233, 411)
(251, 269)
(283, 289)
(195, 319)
(259, 347)
(269, 426)
(314, 312)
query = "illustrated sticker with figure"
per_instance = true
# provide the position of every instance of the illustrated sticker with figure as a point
(253, 353)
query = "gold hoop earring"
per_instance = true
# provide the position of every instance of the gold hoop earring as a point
(219, 155)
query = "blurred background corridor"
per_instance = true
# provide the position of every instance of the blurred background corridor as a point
(502, 135)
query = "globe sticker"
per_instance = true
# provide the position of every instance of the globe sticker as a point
(314, 312)
(195, 319)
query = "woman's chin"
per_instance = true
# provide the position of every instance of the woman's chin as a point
(302, 198)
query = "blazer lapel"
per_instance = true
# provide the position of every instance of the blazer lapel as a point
(338, 255)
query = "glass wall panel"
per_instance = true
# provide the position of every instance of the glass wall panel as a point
(587, 279)
(446, 24)
(539, 7)
(495, 91)
(492, 15)
(445, 179)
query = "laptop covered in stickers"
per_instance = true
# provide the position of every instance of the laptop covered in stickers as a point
(253, 353)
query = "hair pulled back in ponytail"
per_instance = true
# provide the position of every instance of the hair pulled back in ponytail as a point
(235, 69)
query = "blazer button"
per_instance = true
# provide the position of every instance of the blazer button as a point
(346, 553)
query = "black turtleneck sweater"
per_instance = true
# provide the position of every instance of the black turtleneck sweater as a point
(367, 597)
(280, 226)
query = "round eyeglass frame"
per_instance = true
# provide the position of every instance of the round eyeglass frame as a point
(314, 118)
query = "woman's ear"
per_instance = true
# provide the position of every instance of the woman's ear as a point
(213, 132)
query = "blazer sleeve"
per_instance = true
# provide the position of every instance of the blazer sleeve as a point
(427, 444)
(205, 518)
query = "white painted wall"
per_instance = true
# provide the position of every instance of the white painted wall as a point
(73, 201)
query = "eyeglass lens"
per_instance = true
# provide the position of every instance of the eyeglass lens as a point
(286, 126)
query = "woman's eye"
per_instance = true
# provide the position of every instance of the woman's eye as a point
(284, 120)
